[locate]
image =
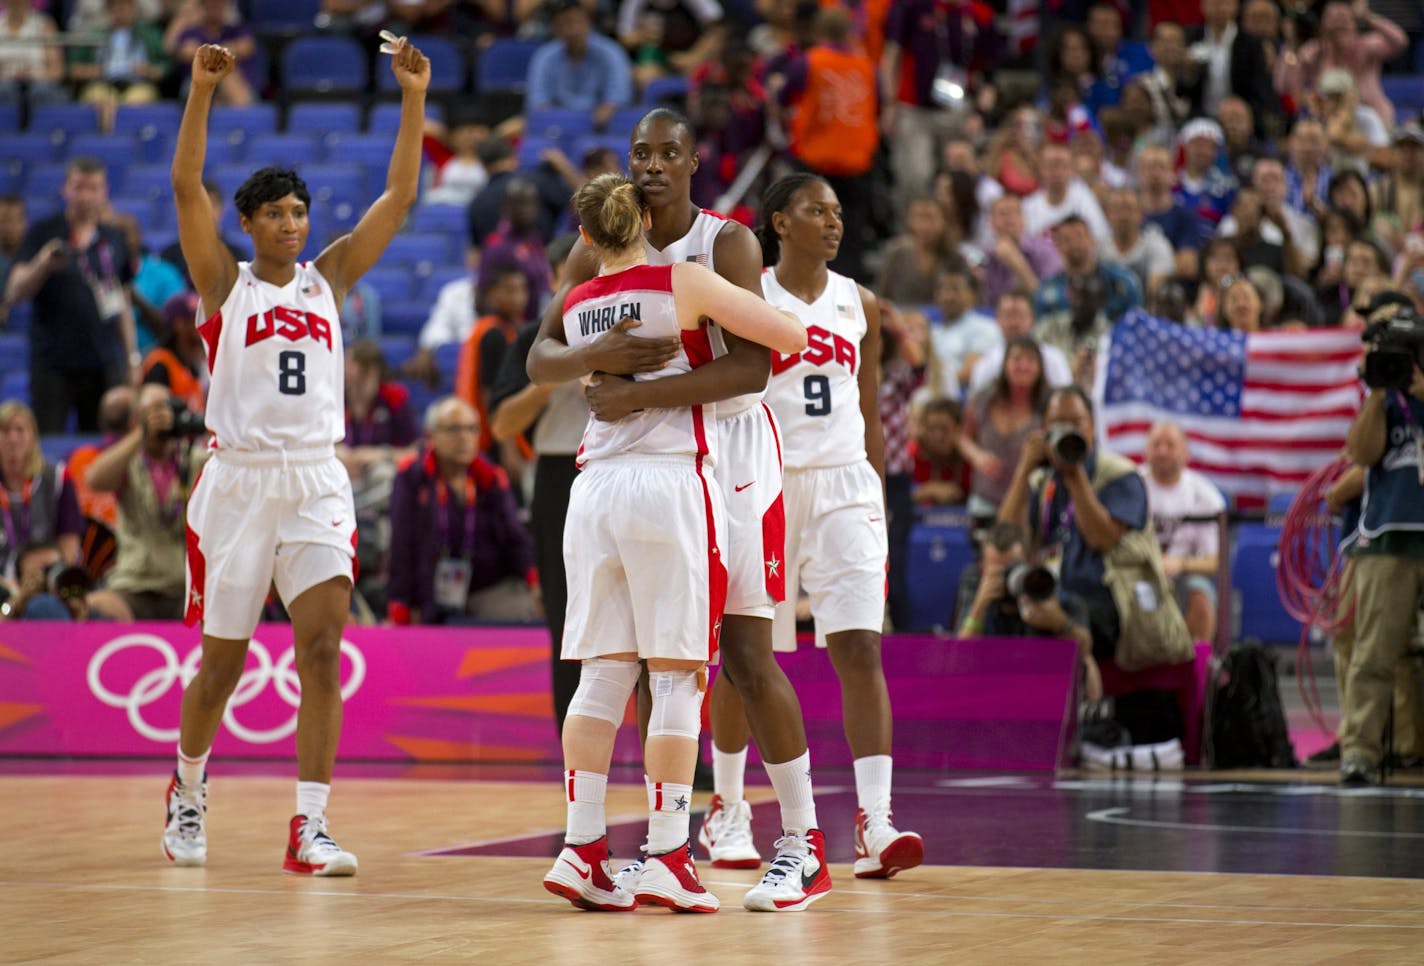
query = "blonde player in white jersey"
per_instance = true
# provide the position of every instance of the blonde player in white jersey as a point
(641, 545)
(273, 504)
(662, 158)
(826, 400)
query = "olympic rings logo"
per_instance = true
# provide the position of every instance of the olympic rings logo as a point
(153, 685)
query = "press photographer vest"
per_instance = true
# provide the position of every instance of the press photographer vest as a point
(1394, 497)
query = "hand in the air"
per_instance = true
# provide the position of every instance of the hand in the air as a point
(411, 67)
(211, 64)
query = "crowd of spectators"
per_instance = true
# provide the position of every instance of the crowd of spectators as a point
(1012, 184)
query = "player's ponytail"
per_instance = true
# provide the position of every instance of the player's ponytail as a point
(610, 208)
(777, 198)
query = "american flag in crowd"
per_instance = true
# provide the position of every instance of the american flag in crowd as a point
(1261, 411)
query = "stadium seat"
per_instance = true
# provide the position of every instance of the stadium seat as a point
(447, 66)
(151, 181)
(323, 118)
(14, 350)
(336, 185)
(532, 149)
(153, 126)
(504, 65)
(143, 210)
(661, 90)
(63, 121)
(557, 124)
(9, 119)
(371, 150)
(385, 119)
(393, 283)
(1255, 557)
(423, 253)
(228, 177)
(42, 185)
(235, 127)
(404, 318)
(12, 177)
(397, 348)
(449, 220)
(940, 548)
(31, 148)
(616, 143)
(15, 384)
(282, 150)
(446, 358)
(1406, 92)
(623, 121)
(431, 285)
(324, 64)
(19, 318)
(116, 151)
(57, 449)
(283, 16)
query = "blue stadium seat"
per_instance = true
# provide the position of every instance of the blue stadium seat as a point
(422, 253)
(623, 121)
(151, 181)
(393, 283)
(62, 121)
(228, 177)
(421, 396)
(1406, 92)
(283, 16)
(1255, 557)
(238, 126)
(663, 89)
(32, 148)
(15, 384)
(404, 318)
(385, 118)
(117, 151)
(9, 119)
(447, 66)
(449, 220)
(504, 65)
(143, 209)
(42, 185)
(324, 63)
(618, 144)
(282, 150)
(153, 126)
(12, 177)
(557, 124)
(372, 150)
(14, 350)
(321, 118)
(940, 548)
(431, 285)
(531, 149)
(446, 358)
(57, 449)
(20, 316)
(397, 348)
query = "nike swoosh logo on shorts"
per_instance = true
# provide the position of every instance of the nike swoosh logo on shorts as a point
(744, 486)
(337, 523)
(583, 872)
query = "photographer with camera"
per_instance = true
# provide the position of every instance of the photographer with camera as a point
(151, 472)
(1018, 599)
(45, 587)
(1085, 510)
(1385, 438)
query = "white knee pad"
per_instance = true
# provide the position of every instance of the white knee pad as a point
(677, 704)
(603, 689)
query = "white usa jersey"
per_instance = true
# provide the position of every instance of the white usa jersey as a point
(643, 293)
(815, 393)
(275, 355)
(696, 246)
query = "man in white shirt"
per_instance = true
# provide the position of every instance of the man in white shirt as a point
(1142, 249)
(1014, 314)
(965, 333)
(1189, 550)
(1061, 194)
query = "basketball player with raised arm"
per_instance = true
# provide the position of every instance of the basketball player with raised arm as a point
(826, 400)
(642, 546)
(662, 158)
(273, 504)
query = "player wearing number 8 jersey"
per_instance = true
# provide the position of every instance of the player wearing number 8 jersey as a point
(273, 505)
(825, 398)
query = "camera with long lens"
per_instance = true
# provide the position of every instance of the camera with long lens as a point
(1067, 444)
(1026, 580)
(68, 581)
(1395, 335)
(186, 423)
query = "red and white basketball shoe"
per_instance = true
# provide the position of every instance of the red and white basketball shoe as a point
(310, 851)
(580, 875)
(726, 834)
(798, 875)
(881, 850)
(185, 842)
(670, 880)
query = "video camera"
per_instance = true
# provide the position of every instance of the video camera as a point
(1067, 444)
(1395, 336)
(1035, 583)
(68, 581)
(186, 423)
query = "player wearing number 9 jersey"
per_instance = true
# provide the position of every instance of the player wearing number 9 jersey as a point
(825, 398)
(273, 505)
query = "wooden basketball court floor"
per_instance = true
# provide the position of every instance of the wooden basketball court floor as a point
(1020, 868)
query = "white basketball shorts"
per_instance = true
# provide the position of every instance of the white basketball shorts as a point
(749, 473)
(836, 548)
(259, 518)
(644, 566)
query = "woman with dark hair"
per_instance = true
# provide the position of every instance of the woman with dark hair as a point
(643, 543)
(274, 503)
(1348, 192)
(1338, 228)
(997, 421)
(1070, 57)
(1220, 260)
(1362, 265)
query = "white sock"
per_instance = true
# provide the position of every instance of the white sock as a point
(190, 770)
(872, 781)
(729, 770)
(311, 798)
(587, 821)
(669, 807)
(792, 781)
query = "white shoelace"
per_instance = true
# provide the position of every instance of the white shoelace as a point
(878, 816)
(735, 828)
(791, 853)
(190, 811)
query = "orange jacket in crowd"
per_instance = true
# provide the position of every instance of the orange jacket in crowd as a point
(836, 126)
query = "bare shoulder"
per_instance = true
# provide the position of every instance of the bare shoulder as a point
(581, 265)
(869, 302)
(734, 236)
